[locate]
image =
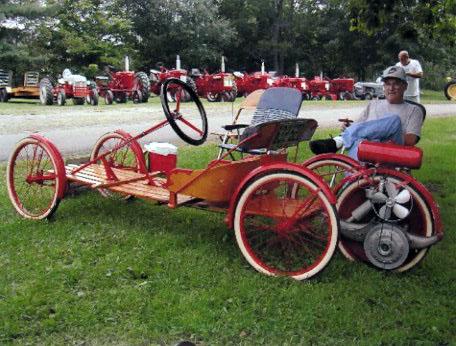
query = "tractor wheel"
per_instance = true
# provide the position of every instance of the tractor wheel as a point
(233, 92)
(109, 97)
(93, 97)
(348, 96)
(316, 98)
(213, 97)
(3, 95)
(61, 98)
(144, 86)
(137, 96)
(46, 96)
(450, 90)
(78, 101)
(368, 96)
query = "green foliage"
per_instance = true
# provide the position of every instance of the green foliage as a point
(18, 21)
(84, 32)
(356, 38)
(110, 272)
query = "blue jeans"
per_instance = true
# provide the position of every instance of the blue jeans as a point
(380, 130)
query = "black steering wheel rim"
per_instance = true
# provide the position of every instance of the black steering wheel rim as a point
(170, 115)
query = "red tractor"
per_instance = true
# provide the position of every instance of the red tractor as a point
(343, 88)
(319, 89)
(157, 78)
(120, 86)
(215, 87)
(299, 83)
(248, 83)
(72, 86)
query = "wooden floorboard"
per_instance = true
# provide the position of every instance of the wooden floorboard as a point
(95, 174)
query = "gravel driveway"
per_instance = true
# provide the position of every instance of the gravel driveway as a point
(75, 129)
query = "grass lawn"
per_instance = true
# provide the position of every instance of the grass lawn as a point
(110, 272)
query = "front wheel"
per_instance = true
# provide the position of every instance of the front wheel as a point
(109, 97)
(34, 179)
(281, 233)
(125, 155)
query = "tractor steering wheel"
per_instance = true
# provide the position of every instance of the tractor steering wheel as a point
(186, 104)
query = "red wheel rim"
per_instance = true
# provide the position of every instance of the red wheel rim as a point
(417, 221)
(285, 235)
(32, 179)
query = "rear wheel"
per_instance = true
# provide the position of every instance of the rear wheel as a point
(418, 222)
(137, 96)
(332, 170)
(33, 180)
(144, 86)
(126, 157)
(213, 97)
(3, 95)
(281, 234)
(46, 96)
(450, 90)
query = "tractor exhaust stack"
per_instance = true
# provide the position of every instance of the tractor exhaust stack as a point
(297, 70)
(127, 63)
(222, 67)
(178, 62)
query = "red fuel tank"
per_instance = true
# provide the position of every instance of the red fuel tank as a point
(391, 154)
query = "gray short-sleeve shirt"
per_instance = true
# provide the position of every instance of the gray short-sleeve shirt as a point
(411, 115)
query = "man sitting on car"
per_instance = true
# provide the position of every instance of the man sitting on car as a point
(391, 119)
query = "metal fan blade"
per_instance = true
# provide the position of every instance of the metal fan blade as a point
(391, 189)
(385, 212)
(403, 197)
(400, 211)
(379, 197)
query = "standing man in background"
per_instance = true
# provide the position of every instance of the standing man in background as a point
(414, 72)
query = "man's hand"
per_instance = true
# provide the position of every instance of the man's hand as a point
(345, 123)
(410, 139)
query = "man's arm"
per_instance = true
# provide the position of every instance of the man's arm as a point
(415, 74)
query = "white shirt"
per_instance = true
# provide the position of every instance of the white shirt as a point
(411, 116)
(413, 88)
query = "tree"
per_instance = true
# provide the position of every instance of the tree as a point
(84, 32)
(192, 29)
(18, 21)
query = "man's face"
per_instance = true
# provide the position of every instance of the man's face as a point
(394, 90)
(403, 58)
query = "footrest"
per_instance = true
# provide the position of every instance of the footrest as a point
(130, 183)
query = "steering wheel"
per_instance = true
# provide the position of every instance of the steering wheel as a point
(187, 104)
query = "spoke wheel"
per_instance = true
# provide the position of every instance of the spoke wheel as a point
(419, 221)
(126, 157)
(332, 170)
(32, 179)
(188, 119)
(280, 234)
